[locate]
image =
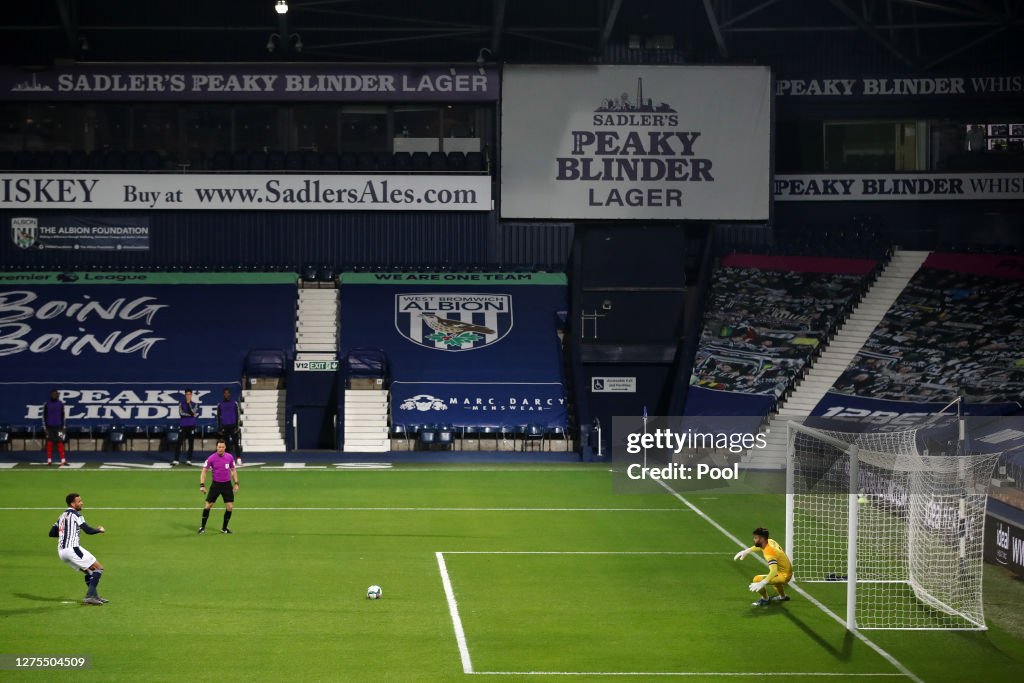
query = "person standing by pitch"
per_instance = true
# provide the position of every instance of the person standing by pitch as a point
(188, 412)
(53, 425)
(223, 466)
(228, 413)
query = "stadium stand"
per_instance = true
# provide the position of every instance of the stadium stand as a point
(957, 330)
(766, 317)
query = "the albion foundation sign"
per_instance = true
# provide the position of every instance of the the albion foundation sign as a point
(636, 142)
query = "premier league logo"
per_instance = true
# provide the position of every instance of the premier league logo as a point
(453, 322)
(23, 232)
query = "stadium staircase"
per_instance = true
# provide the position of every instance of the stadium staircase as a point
(837, 354)
(366, 421)
(262, 421)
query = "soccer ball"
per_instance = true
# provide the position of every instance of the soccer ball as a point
(373, 592)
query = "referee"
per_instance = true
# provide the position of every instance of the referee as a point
(223, 466)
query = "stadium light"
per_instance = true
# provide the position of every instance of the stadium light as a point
(281, 7)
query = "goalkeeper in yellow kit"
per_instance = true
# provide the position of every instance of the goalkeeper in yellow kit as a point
(780, 569)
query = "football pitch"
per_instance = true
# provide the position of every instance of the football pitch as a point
(533, 573)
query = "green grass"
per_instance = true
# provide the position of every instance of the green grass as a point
(284, 597)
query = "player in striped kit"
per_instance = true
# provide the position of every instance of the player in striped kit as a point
(66, 530)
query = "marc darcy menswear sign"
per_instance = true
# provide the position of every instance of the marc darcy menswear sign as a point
(636, 142)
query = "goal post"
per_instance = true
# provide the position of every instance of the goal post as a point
(903, 531)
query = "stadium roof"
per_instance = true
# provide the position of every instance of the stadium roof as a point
(895, 35)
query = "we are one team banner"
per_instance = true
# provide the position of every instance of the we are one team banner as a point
(618, 142)
(285, 192)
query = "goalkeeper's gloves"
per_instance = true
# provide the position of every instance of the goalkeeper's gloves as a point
(741, 554)
(758, 585)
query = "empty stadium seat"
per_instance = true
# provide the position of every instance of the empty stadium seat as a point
(533, 434)
(5, 438)
(132, 160)
(403, 161)
(240, 161)
(366, 161)
(258, 161)
(221, 161)
(384, 161)
(348, 162)
(23, 160)
(151, 160)
(475, 161)
(420, 162)
(445, 437)
(456, 161)
(310, 160)
(117, 437)
(293, 161)
(275, 160)
(329, 161)
(265, 363)
(437, 161)
(60, 160)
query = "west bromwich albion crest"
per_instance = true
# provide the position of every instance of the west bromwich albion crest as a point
(453, 321)
(23, 231)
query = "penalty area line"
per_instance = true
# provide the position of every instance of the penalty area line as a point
(904, 671)
(453, 609)
(816, 674)
(368, 509)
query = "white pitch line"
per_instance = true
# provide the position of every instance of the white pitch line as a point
(586, 552)
(453, 609)
(814, 601)
(681, 673)
(372, 509)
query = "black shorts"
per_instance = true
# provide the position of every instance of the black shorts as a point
(223, 488)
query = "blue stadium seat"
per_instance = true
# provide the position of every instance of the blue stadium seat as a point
(136, 433)
(366, 161)
(113, 160)
(6, 160)
(240, 161)
(158, 433)
(172, 436)
(329, 161)
(151, 160)
(275, 160)
(427, 438)
(420, 162)
(132, 160)
(310, 273)
(475, 162)
(456, 161)
(221, 160)
(117, 437)
(403, 161)
(23, 160)
(559, 433)
(385, 161)
(293, 161)
(258, 161)
(5, 438)
(348, 162)
(311, 160)
(445, 437)
(60, 160)
(437, 162)
(95, 160)
(533, 434)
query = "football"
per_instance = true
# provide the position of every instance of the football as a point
(373, 592)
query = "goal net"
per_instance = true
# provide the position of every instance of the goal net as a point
(903, 531)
